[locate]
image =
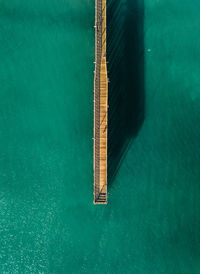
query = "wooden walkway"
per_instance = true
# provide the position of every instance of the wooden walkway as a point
(100, 105)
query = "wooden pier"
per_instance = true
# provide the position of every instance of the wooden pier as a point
(100, 105)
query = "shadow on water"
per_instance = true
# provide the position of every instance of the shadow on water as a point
(125, 56)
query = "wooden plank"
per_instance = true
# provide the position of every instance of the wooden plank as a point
(100, 105)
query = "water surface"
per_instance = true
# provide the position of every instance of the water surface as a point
(48, 223)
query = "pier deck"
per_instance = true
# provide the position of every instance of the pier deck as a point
(100, 105)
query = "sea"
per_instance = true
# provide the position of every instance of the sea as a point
(48, 222)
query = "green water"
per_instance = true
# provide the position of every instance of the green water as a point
(48, 223)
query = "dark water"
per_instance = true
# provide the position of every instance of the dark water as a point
(48, 223)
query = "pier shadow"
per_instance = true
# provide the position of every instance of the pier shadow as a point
(125, 56)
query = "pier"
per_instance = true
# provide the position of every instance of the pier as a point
(100, 106)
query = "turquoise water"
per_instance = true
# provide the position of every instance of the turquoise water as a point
(48, 223)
